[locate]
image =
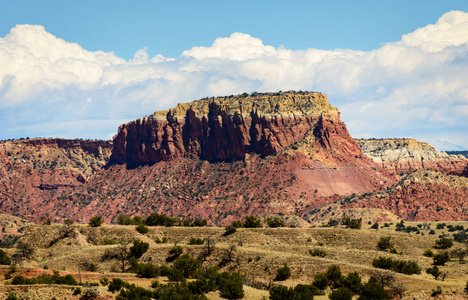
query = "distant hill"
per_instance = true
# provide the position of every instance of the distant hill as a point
(464, 153)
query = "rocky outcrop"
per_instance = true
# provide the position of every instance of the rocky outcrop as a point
(36, 171)
(221, 129)
(401, 156)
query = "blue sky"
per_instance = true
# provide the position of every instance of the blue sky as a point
(81, 68)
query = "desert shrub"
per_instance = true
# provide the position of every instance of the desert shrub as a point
(441, 258)
(432, 232)
(466, 288)
(460, 237)
(142, 228)
(228, 230)
(45, 279)
(385, 243)
(375, 226)
(104, 281)
(436, 292)
(116, 284)
(194, 222)
(162, 240)
(373, 290)
(237, 224)
(88, 266)
(89, 294)
(332, 223)
(147, 270)
(107, 241)
(4, 258)
(187, 265)
(440, 226)
(76, 291)
(68, 222)
(321, 281)
(341, 293)
(96, 221)
(275, 222)
(252, 222)
(318, 252)
(12, 296)
(283, 273)
(230, 285)
(299, 292)
(159, 220)
(434, 271)
(400, 266)
(137, 220)
(176, 251)
(428, 253)
(196, 241)
(352, 281)
(334, 275)
(443, 243)
(124, 219)
(351, 223)
(138, 249)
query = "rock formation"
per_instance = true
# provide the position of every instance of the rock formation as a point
(401, 156)
(221, 129)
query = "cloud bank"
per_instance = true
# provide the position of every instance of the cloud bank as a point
(415, 87)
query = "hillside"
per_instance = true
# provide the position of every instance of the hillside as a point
(257, 254)
(401, 156)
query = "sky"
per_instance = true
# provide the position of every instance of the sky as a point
(79, 69)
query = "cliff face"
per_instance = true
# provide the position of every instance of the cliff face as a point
(221, 129)
(401, 156)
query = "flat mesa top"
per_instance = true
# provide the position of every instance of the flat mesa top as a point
(264, 104)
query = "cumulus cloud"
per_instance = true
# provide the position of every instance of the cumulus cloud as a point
(412, 87)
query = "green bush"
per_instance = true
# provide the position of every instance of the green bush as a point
(283, 273)
(352, 281)
(375, 226)
(147, 270)
(434, 271)
(252, 222)
(228, 230)
(351, 223)
(441, 258)
(321, 281)
(187, 265)
(124, 219)
(400, 266)
(275, 222)
(372, 290)
(176, 251)
(230, 285)
(385, 243)
(142, 228)
(443, 243)
(196, 241)
(428, 253)
(45, 279)
(299, 292)
(159, 220)
(4, 258)
(96, 221)
(334, 275)
(341, 293)
(318, 252)
(237, 224)
(138, 249)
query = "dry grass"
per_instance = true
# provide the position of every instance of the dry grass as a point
(258, 254)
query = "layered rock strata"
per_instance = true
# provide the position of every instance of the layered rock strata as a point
(221, 129)
(401, 156)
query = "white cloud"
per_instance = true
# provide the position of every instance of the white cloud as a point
(413, 87)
